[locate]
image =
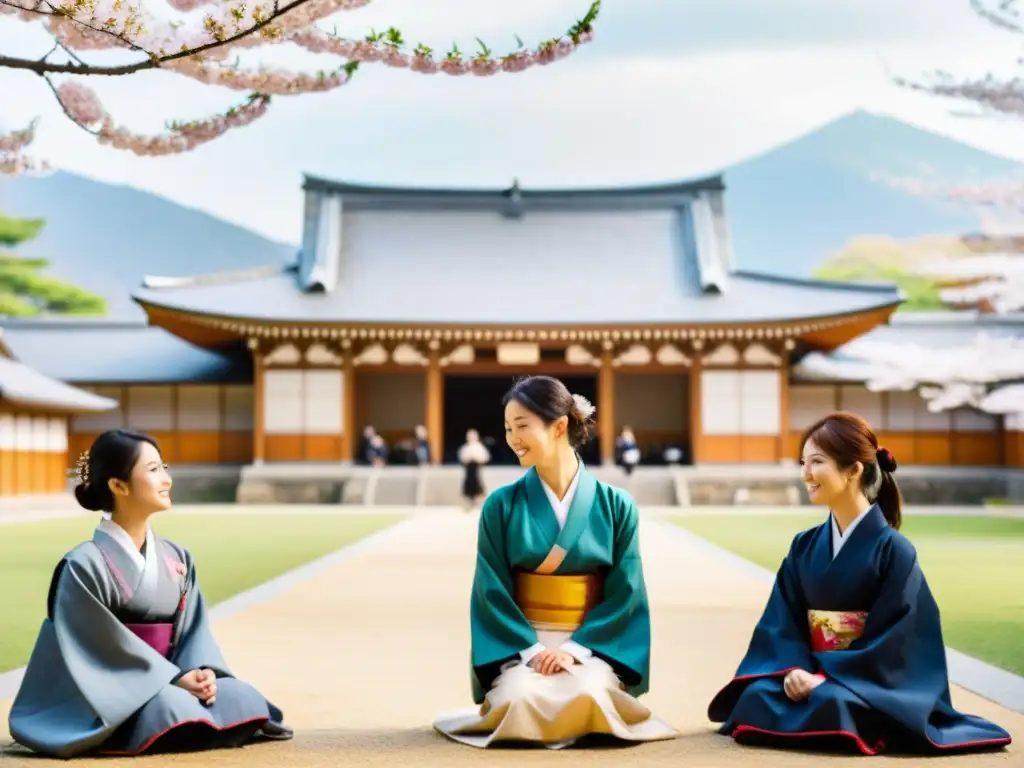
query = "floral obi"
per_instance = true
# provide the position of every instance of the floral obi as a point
(835, 630)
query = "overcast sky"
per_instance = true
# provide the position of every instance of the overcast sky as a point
(668, 89)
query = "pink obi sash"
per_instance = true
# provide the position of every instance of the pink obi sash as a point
(156, 636)
(835, 630)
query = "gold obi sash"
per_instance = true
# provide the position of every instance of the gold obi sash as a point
(835, 630)
(557, 603)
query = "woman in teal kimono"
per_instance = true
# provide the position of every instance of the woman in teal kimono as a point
(125, 662)
(559, 618)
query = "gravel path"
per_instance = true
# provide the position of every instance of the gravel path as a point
(362, 656)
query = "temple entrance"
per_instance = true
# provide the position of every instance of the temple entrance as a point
(474, 402)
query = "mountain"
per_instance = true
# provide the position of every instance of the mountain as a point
(106, 237)
(794, 206)
(790, 209)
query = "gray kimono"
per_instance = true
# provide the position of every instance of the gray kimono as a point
(121, 628)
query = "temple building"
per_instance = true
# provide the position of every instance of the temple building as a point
(413, 306)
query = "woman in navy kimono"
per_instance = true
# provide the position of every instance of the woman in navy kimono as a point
(849, 650)
(125, 662)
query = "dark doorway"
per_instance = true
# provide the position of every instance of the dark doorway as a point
(474, 402)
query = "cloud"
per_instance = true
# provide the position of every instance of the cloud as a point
(701, 26)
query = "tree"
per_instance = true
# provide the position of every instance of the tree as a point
(991, 95)
(196, 38)
(24, 292)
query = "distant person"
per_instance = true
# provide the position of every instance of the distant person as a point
(472, 456)
(560, 628)
(364, 453)
(126, 662)
(422, 448)
(627, 449)
(849, 649)
(377, 455)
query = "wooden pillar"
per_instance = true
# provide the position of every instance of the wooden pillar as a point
(783, 450)
(435, 405)
(348, 406)
(696, 395)
(259, 441)
(606, 406)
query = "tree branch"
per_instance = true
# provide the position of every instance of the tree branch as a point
(106, 23)
(154, 62)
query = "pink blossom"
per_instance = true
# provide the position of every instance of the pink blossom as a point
(15, 141)
(81, 103)
(454, 66)
(395, 58)
(484, 67)
(424, 65)
(517, 62)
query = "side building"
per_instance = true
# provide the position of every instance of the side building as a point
(34, 414)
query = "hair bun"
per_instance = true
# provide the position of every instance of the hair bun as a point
(87, 498)
(886, 461)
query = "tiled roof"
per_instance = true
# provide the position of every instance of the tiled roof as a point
(22, 385)
(103, 352)
(421, 293)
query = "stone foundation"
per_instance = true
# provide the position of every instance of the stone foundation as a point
(764, 486)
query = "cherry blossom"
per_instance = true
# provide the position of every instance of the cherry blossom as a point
(201, 40)
(953, 377)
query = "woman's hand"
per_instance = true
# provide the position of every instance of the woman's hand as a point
(201, 683)
(552, 662)
(799, 683)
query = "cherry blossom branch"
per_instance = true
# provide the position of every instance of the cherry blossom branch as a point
(994, 96)
(84, 109)
(198, 48)
(12, 151)
(1007, 194)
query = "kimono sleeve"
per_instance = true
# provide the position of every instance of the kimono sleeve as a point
(901, 649)
(197, 648)
(499, 630)
(618, 629)
(780, 641)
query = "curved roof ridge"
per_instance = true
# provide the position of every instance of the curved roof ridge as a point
(707, 182)
(810, 282)
(213, 278)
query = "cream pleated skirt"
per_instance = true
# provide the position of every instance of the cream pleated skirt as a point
(554, 710)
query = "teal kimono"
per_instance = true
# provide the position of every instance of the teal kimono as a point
(518, 529)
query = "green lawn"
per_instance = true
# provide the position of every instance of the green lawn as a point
(971, 564)
(233, 553)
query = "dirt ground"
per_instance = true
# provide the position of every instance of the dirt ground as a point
(362, 657)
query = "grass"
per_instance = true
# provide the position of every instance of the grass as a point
(971, 564)
(233, 553)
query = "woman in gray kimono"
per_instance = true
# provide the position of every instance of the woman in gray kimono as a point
(125, 662)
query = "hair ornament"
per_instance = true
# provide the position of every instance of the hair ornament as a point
(886, 461)
(584, 408)
(81, 470)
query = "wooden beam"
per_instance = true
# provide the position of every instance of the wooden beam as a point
(259, 441)
(784, 405)
(435, 405)
(696, 393)
(348, 406)
(606, 406)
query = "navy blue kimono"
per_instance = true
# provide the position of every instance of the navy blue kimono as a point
(886, 686)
